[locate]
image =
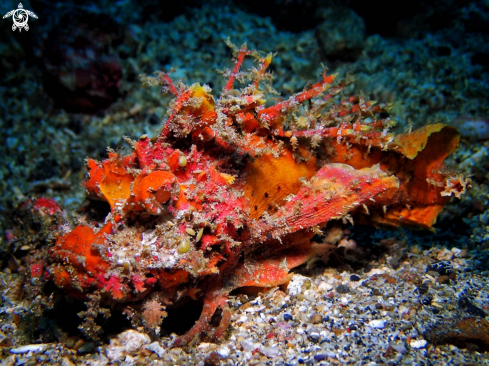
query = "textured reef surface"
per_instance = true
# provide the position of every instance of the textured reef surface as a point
(261, 215)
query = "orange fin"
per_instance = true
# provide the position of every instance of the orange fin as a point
(263, 271)
(332, 193)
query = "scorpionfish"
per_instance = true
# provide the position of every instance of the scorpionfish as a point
(231, 192)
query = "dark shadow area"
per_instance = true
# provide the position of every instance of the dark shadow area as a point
(383, 17)
(168, 10)
(291, 15)
(180, 320)
(64, 316)
(97, 210)
(115, 324)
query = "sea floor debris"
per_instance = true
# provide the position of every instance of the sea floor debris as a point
(383, 317)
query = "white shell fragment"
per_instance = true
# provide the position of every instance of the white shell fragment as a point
(35, 348)
(248, 346)
(379, 324)
(156, 348)
(418, 343)
(445, 255)
(269, 351)
(127, 342)
(132, 340)
(296, 285)
(399, 348)
(224, 351)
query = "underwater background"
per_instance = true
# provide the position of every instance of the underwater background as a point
(70, 87)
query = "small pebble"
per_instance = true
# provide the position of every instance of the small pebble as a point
(127, 342)
(247, 346)
(270, 352)
(456, 252)
(426, 300)
(444, 280)
(35, 348)
(399, 348)
(445, 255)
(418, 343)
(433, 274)
(297, 285)
(354, 278)
(71, 341)
(343, 289)
(316, 318)
(65, 361)
(423, 288)
(314, 337)
(223, 352)
(156, 348)
(379, 324)
(320, 357)
(376, 292)
(470, 308)
(86, 347)
(441, 267)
